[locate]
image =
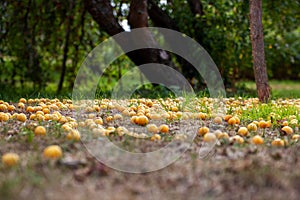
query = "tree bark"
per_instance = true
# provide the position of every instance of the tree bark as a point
(102, 13)
(66, 46)
(258, 53)
(196, 7)
(160, 18)
(138, 18)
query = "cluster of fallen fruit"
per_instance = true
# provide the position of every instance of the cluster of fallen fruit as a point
(154, 116)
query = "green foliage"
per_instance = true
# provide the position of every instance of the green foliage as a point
(33, 37)
(33, 40)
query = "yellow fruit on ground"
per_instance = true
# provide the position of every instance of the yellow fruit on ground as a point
(30, 101)
(111, 128)
(98, 121)
(10, 159)
(227, 117)
(118, 117)
(296, 137)
(54, 107)
(91, 116)
(96, 108)
(3, 107)
(66, 127)
(175, 109)
(21, 105)
(40, 130)
(74, 135)
(179, 114)
(243, 131)
(202, 116)
(232, 121)
(4, 117)
(285, 123)
(11, 108)
(63, 120)
(155, 137)
(46, 110)
(288, 130)
(32, 117)
(81, 124)
(89, 109)
(278, 142)
(209, 137)
(223, 135)
(88, 122)
(217, 133)
(269, 124)
(218, 120)
(262, 124)
(121, 130)
(163, 128)
(22, 100)
(55, 117)
(53, 152)
(109, 118)
(238, 121)
(152, 128)
(252, 127)
(257, 140)
(237, 139)
(21, 117)
(40, 117)
(155, 116)
(30, 109)
(294, 122)
(149, 103)
(133, 119)
(142, 120)
(203, 130)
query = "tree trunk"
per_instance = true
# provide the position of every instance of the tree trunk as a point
(161, 19)
(102, 13)
(196, 7)
(66, 46)
(258, 53)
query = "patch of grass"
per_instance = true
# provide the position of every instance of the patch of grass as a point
(13, 94)
(280, 89)
(269, 111)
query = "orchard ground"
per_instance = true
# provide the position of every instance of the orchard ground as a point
(238, 166)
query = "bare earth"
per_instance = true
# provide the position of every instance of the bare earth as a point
(228, 171)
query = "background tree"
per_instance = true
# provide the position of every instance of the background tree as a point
(258, 52)
(33, 39)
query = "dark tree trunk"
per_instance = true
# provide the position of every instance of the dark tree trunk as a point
(196, 7)
(138, 14)
(81, 36)
(66, 46)
(102, 13)
(258, 53)
(138, 18)
(160, 18)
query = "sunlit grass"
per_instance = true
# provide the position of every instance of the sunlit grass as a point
(280, 89)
